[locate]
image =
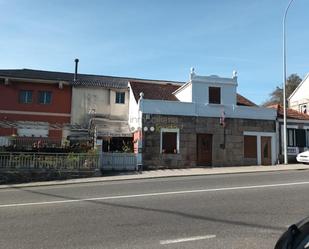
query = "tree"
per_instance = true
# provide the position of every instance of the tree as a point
(276, 96)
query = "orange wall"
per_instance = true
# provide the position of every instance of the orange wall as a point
(55, 134)
(40, 118)
(9, 101)
(7, 131)
(61, 98)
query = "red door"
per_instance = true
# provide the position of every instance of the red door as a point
(204, 149)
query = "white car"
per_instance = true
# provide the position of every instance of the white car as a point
(303, 157)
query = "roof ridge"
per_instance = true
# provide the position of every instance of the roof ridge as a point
(91, 75)
(299, 85)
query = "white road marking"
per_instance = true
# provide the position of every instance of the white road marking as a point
(154, 194)
(173, 241)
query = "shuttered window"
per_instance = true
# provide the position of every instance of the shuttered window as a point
(250, 147)
(214, 95)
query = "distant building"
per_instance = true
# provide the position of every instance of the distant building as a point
(297, 132)
(56, 106)
(34, 104)
(299, 99)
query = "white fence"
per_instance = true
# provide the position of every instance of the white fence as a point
(119, 161)
(58, 161)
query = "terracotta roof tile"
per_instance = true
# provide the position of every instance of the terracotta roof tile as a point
(154, 91)
(292, 114)
(241, 100)
(165, 92)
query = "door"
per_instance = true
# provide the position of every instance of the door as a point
(204, 149)
(266, 150)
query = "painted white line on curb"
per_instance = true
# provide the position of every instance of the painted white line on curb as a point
(154, 194)
(173, 241)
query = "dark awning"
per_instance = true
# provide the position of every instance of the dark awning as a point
(111, 127)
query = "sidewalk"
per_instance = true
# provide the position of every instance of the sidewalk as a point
(166, 173)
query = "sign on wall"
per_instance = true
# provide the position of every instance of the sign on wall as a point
(293, 151)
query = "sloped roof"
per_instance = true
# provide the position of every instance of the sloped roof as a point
(241, 100)
(154, 91)
(290, 113)
(82, 79)
(163, 91)
(299, 85)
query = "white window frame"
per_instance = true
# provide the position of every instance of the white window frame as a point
(220, 88)
(258, 141)
(303, 107)
(176, 130)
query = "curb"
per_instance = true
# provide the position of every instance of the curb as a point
(81, 181)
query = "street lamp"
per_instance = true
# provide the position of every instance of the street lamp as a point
(285, 148)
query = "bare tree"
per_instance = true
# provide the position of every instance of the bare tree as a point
(276, 96)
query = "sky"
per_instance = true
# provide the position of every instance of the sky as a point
(158, 39)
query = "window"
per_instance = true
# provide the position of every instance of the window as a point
(214, 95)
(45, 97)
(120, 97)
(170, 141)
(291, 137)
(25, 97)
(303, 108)
(250, 147)
(296, 138)
(300, 135)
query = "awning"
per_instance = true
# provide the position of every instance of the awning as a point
(111, 127)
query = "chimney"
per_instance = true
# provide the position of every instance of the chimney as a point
(76, 68)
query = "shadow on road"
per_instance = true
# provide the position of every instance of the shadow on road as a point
(164, 211)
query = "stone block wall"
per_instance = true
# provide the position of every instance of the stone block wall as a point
(189, 127)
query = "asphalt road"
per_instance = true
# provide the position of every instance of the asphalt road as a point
(223, 211)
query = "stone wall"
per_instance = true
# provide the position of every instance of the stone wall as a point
(14, 176)
(189, 127)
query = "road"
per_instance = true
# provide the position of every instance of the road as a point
(218, 211)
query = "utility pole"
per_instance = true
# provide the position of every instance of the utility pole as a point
(285, 147)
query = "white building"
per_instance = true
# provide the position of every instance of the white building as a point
(299, 99)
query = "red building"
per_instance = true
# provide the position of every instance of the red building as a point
(34, 104)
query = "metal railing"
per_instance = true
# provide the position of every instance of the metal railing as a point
(35, 142)
(119, 161)
(59, 161)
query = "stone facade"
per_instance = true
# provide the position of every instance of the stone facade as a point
(189, 127)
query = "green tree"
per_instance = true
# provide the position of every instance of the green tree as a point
(276, 96)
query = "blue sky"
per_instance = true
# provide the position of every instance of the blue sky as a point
(158, 39)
